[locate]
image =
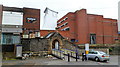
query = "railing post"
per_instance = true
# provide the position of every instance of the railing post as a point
(71, 53)
(76, 56)
(60, 54)
(68, 57)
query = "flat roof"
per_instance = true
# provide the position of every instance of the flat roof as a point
(13, 9)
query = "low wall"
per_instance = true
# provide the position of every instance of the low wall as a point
(8, 55)
(35, 45)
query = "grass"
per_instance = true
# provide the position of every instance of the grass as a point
(9, 58)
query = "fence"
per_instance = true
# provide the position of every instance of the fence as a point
(72, 53)
(64, 52)
(58, 53)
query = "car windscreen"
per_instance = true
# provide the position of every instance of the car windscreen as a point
(102, 52)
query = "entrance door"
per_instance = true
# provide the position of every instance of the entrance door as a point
(56, 45)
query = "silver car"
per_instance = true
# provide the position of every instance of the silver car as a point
(98, 56)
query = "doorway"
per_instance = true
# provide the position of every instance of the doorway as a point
(55, 44)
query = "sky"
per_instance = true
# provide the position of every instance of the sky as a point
(107, 8)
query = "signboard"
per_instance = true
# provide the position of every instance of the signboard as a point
(12, 18)
(31, 20)
(119, 17)
(87, 48)
(18, 50)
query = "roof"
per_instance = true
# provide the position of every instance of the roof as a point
(52, 34)
(49, 35)
(13, 9)
(50, 10)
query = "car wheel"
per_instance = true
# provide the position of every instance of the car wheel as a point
(96, 59)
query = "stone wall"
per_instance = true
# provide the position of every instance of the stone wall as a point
(68, 45)
(25, 44)
(71, 46)
(35, 45)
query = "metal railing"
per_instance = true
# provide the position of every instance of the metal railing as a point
(58, 53)
(71, 52)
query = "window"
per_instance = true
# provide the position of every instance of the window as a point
(92, 38)
(67, 28)
(62, 20)
(95, 53)
(72, 40)
(66, 23)
(58, 23)
(62, 29)
(9, 38)
(66, 18)
(62, 25)
(57, 28)
(90, 52)
(16, 39)
(102, 52)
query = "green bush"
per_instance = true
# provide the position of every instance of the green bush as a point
(110, 49)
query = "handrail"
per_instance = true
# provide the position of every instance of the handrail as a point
(57, 50)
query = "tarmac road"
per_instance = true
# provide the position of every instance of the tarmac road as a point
(51, 61)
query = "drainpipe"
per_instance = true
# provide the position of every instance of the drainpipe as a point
(103, 31)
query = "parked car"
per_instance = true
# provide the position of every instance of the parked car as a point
(98, 56)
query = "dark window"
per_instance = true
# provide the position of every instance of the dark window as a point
(95, 53)
(92, 38)
(67, 29)
(66, 18)
(72, 40)
(66, 23)
(90, 52)
(62, 21)
(62, 25)
(7, 38)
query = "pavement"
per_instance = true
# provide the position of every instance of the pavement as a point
(55, 61)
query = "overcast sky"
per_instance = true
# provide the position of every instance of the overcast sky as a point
(108, 8)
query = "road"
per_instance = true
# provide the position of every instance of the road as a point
(54, 61)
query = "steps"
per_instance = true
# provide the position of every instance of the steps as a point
(63, 54)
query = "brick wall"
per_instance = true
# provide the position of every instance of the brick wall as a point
(99, 31)
(83, 24)
(31, 13)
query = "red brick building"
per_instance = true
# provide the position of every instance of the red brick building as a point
(31, 22)
(81, 28)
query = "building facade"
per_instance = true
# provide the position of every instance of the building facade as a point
(81, 27)
(11, 36)
(31, 23)
(15, 24)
